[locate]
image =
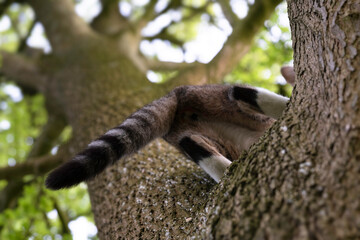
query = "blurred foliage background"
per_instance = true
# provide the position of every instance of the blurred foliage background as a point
(43, 214)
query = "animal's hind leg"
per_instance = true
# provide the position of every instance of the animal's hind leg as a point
(202, 152)
(271, 103)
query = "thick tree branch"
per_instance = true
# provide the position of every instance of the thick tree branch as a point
(24, 71)
(148, 15)
(36, 166)
(172, 5)
(241, 39)
(195, 75)
(157, 65)
(131, 38)
(128, 44)
(234, 49)
(110, 22)
(228, 12)
(49, 134)
(62, 25)
(196, 11)
(164, 35)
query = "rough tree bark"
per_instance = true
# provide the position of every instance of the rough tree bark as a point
(300, 181)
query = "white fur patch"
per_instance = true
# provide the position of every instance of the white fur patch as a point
(114, 132)
(271, 103)
(215, 166)
(130, 121)
(243, 138)
(98, 143)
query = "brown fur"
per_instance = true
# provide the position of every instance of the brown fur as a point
(212, 106)
(211, 124)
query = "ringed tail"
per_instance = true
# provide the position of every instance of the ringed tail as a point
(152, 121)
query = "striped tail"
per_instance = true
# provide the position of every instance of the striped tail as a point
(151, 121)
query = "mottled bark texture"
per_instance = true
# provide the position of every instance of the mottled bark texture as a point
(302, 180)
(94, 78)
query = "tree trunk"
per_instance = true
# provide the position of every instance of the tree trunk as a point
(152, 191)
(302, 180)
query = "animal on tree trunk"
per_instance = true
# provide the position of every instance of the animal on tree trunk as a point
(210, 124)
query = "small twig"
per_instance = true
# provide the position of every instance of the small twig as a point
(23, 40)
(196, 11)
(48, 136)
(64, 218)
(23, 70)
(36, 166)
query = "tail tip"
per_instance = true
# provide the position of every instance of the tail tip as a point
(67, 175)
